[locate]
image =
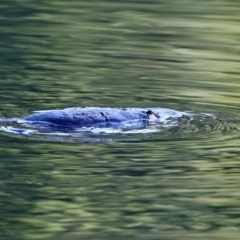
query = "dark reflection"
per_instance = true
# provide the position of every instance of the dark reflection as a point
(181, 183)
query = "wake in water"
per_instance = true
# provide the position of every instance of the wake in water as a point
(101, 123)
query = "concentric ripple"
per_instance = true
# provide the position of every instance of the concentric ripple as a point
(204, 126)
(173, 126)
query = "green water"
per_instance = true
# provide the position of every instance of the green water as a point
(177, 54)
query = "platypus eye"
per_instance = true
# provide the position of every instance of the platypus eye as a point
(149, 112)
(151, 115)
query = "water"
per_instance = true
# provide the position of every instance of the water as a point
(179, 184)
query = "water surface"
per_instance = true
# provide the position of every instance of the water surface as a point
(180, 184)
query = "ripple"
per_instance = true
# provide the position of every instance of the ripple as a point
(187, 125)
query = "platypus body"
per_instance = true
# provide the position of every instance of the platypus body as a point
(98, 117)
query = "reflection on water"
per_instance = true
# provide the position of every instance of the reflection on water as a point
(180, 184)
